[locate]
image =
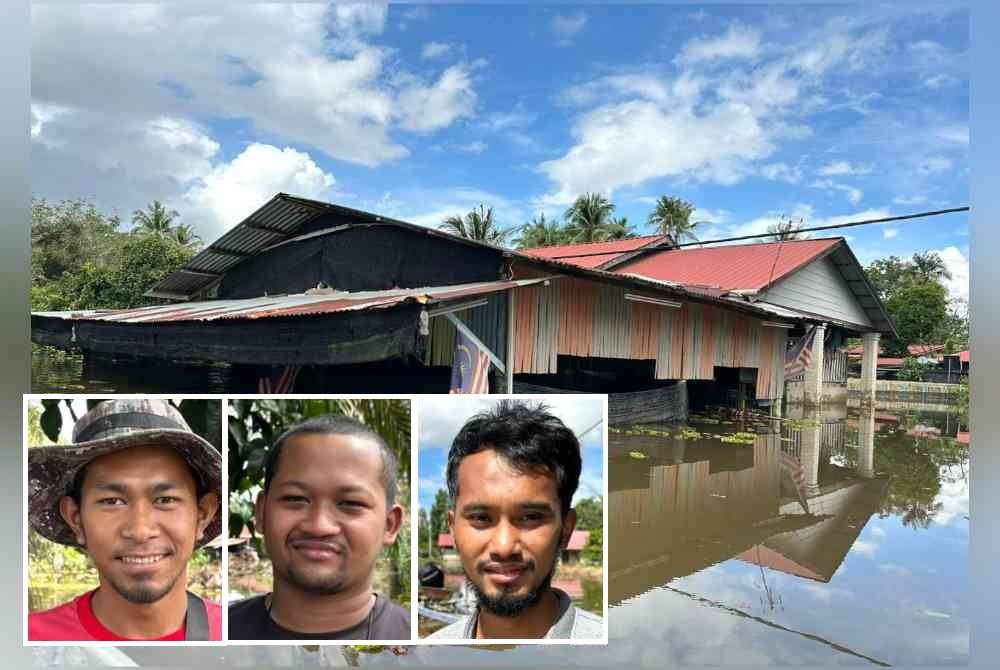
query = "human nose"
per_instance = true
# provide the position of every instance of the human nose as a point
(322, 520)
(506, 540)
(140, 525)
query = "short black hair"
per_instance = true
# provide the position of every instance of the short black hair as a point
(528, 437)
(332, 424)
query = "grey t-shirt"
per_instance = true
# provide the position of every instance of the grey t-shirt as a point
(571, 623)
(250, 620)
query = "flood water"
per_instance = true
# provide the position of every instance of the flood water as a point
(840, 538)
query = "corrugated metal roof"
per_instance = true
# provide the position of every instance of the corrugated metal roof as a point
(594, 254)
(323, 301)
(747, 267)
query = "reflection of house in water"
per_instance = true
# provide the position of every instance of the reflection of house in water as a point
(703, 505)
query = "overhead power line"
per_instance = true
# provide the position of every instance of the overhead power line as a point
(866, 222)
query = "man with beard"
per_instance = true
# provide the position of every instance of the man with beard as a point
(326, 513)
(512, 473)
(138, 491)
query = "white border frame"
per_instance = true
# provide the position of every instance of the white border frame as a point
(223, 509)
(603, 640)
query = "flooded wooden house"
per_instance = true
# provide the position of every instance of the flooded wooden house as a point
(806, 283)
(310, 296)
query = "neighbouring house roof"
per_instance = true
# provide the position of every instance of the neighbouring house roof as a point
(316, 301)
(890, 362)
(446, 541)
(924, 349)
(767, 557)
(739, 267)
(964, 356)
(578, 540)
(596, 254)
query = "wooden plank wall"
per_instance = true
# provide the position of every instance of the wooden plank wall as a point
(576, 317)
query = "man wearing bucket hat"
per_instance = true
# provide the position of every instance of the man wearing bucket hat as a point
(139, 492)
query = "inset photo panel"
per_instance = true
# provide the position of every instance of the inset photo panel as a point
(511, 519)
(319, 520)
(124, 505)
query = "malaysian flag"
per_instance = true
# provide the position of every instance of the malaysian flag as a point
(798, 359)
(792, 467)
(280, 380)
(470, 368)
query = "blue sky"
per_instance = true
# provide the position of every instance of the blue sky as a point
(827, 114)
(441, 417)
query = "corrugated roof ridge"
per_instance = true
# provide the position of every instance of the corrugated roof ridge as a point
(759, 244)
(587, 244)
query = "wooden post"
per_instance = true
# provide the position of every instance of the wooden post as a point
(509, 371)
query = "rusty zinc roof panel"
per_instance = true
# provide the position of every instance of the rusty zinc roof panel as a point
(592, 254)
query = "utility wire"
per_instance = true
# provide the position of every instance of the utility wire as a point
(866, 222)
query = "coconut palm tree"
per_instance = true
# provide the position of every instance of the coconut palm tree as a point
(478, 224)
(185, 236)
(620, 229)
(588, 217)
(672, 216)
(541, 232)
(155, 219)
(785, 229)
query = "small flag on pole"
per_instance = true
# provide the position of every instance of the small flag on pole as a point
(792, 467)
(470, 368)
(798, 359)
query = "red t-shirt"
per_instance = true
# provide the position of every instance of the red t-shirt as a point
(75, 622)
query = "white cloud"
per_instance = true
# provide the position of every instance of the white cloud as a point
(435, 50)
(934, 164)
(568, 26)
(957, 263)
(939, 81)
(716, 216)
(42, 114)
(864, 548)
(231, 191)
(473, 147)
(843, 168)
(781, 172)
(426, 108)
(955, 134)
(306, 74)
(739, 41)
(854, 195)
(889, 233)
(760, 224)
(910, 200)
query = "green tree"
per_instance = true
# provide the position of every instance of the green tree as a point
(155, 219)
(672, 216)
(477, 224)
(912, 370)
(889, 275)
(590, 513)
(185, 236)
(593, 552)
(438, 518)
(785, 229)
(65, 235)
(589, 217)
(918, 309)
(620, 229)
(541, 232)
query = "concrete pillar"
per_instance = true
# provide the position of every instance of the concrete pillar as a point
(869, 364)
(810, 454)
(813, 391)
(866, 443)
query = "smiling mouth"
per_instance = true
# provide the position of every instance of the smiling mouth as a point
(148, 559)
(318, 551)
(506, 574)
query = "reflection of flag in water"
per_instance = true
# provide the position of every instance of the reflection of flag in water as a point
(799, 358)
(468, 372)
(279, 381)
(792, 467)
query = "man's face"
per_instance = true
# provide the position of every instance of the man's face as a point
(508, 529)
(324, 517)
(139, 518)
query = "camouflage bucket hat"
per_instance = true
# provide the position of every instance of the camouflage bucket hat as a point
(109, 427)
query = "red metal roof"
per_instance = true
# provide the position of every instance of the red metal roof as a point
(731, 268)
(446, 541)
(924, 349)
(578, 540)
(964, 356)
(593, 254)
(891, 361)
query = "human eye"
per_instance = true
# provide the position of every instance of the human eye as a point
(167, 500)
(111, 501)
(478, 519)
(292, 499)
(353, 505)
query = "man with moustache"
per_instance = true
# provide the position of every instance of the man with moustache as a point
(327, 511)
(512, 473)
(138, 491)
